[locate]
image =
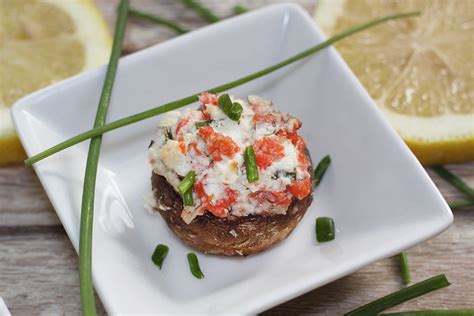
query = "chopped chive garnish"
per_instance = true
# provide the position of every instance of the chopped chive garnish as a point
(159, 255)
(188, 198)
(434, 312)
(193, 98)
(325, 230)
(320, 170)
(158, 20)
(239, 9)
(201, 124)
(194, 265)
(187, 183)
(251, 164)
(454, 180)
(404, 268)
(460, 203)
(203, 12)
(403, 295)
(232, 110)
(88, 191)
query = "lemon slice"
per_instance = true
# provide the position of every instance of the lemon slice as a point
(420, 71)
(42, 42)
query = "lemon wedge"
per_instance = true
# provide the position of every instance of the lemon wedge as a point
(420, 71)
(42, 42)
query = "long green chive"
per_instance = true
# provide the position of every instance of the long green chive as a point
(251, 164)
(158, 20)
(232, 109)
(193, 98)
(454, 180)
(187, 183)
(201, 124)
(460, 203)
(239, 9)
(87, 207)
(201, 10)
(325, 230)
(404, 267)
(401, 296)
(188, 198)
(159, 255)
(320, 170)
(434, 312)
(194, 265)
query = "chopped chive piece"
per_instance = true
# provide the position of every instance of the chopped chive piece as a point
(88, 191)
(454, 180)
(201, 124)
(204, 12)
(325, 230)
(320, 170)
(194, 265)
(460, 203)
(187, 183)
(404, 268)
(158, 20)
(403, 295)
(250, 164)
(232, 110)
(188, 198)
(224, 87)
(434, 312)
(239, 9)
(159, 255)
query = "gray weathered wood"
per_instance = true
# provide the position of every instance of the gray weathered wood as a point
(38, 266)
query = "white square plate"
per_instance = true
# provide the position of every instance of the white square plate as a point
(378, 194)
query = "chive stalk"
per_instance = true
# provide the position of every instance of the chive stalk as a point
(188, 198)
(187, 183)
(320, 170)
(434, 312)
(239, 9)
(201, 10)
(250, 164)
(454, 181)
(193, 98)
(325, 230)
(460, 203)
(404, 268)
(159, 255)
(194, 265)
(158, 20)
(201, 124)
(403, 295)
(88, 192)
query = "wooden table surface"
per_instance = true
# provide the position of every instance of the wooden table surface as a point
(39, 268)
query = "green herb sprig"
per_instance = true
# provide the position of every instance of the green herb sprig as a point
(194, 266)
(193, 98)
(321, 169)
(158, 20)
(404, 268)
(325, 229)
(460, 203)
(251, 164)
(201, 10)
(454, 181)
(403, 295)
(159, 255)
(88, 192)
(434, 312)
(232, 109)
(239, 9)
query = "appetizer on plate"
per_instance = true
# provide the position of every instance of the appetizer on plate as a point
(230, 177)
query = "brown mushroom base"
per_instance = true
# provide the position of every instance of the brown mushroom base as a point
(230, 236)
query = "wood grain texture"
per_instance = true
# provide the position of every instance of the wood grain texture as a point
(39, 267)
